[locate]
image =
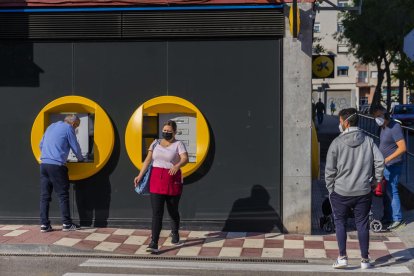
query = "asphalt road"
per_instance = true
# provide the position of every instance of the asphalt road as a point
(83, 266)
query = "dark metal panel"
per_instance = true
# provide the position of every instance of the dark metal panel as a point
(60, 26)
(235, 83)
(120, 77)
(204, 24)
(24, 93)
(147, 24)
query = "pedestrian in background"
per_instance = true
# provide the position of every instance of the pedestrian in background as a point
(392, 146)
(320, 111)
(352, 159)
(168, 156)
(55, 145)
(333, 108)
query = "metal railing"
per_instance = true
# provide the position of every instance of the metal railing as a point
(368, 125)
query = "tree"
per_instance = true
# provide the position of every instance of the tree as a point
(405, 66)
(375, 37)
(405, 72)
(317, 47)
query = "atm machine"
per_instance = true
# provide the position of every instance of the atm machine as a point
(186, 131)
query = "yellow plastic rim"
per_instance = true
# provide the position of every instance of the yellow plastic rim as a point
(166, 104)
(104, 136)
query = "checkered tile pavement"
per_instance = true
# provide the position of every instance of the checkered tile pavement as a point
(204, 243)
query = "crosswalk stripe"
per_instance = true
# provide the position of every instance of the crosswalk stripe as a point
(106, 274)
(221, 266)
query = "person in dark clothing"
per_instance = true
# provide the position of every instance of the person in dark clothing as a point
(320, 110)
(352, 159)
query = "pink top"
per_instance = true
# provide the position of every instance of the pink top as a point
(166, 157)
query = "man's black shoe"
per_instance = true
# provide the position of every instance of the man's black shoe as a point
(152, 247)
(70, 227)
(46, 228)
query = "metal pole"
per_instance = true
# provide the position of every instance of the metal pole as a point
(407, 157)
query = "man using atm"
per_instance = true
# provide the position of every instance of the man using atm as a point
(55, 145)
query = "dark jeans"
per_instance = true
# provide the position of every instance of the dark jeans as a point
(341, 208)
(320, 118)
(54, 177)
(157, 202)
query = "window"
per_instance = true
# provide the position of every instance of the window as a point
(374, 74)
(343, 3)
(317, 27)
(343, 48)
(362, 76)
(342, 71)
(363, 101)
(340, 27)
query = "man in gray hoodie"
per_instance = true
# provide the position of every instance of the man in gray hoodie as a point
(353, 158)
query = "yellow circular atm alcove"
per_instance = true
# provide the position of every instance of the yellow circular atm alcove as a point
(157, 109)
(103, 133)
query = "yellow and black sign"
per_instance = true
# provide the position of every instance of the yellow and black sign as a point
(323, 67)
(294, 17)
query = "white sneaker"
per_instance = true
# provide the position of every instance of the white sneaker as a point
(365, 264)
(341, 262)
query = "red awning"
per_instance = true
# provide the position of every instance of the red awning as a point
(94, 3)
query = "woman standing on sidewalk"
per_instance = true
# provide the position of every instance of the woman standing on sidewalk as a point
(168, 156)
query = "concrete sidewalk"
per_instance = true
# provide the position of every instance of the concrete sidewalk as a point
(27, 239)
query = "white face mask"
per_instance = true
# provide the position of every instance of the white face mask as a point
(341, 128)
(379, 121)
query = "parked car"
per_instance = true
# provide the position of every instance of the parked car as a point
(404, 113)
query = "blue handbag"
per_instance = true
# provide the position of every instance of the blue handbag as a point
(143, 186)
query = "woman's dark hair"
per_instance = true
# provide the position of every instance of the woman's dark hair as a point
(171, 124)
(347, 113)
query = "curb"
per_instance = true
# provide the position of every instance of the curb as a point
(58, 251)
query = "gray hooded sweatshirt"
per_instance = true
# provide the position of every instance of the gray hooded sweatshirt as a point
(352, 160)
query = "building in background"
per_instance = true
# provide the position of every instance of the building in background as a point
(353, 84)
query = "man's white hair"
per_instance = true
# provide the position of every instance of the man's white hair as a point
(71, 118)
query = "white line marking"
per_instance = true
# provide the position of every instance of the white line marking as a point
(106, 274)
(180, 265)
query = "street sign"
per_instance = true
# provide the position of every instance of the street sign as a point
(323, 67)
(409, 45)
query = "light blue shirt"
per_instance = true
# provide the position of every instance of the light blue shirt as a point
(56, 143)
